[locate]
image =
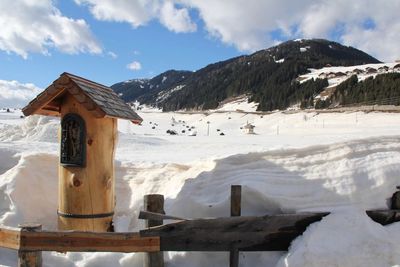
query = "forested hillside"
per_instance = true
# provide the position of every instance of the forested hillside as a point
(383, 89)
(267, 76)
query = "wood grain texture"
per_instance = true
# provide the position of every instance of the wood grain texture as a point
(266, 233)
(28, 258)
(89, 189)
(88, 241)
(9, 237)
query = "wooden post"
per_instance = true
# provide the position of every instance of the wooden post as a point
(236, 208)
(30, 258)
(395, 201)
(154, 203)
(87, 193)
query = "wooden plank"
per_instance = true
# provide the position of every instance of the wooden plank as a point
(266, 233)
(88, 242)
(9, 237)
(30, 258)
(384, 217)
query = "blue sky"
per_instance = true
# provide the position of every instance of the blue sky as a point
(155, 47)
(109, 41)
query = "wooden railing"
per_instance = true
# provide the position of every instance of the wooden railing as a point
(231, 234)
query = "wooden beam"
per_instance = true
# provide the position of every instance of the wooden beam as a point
(46, 112)
(147, 215)
(384, 217)
(9, 237)
(88, 241)
(266, 233)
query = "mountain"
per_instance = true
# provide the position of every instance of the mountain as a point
(267, 77)
(144, 90)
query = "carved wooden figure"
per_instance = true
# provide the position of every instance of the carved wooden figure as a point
(88, 137)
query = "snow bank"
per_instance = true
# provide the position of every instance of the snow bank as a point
(347, 239)
(33, 128)
(325, 178)
(343, 163)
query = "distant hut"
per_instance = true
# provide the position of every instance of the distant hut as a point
(396, 67)
(357, 71)
(249, 128)
(370, 70)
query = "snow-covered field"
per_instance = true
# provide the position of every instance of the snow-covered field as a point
(339, 162)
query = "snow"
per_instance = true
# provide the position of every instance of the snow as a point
(238, 104)
(344, 163)
(304, 49)
(165, 94)
(358, 242)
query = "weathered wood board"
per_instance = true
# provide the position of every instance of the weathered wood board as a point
(266, 233)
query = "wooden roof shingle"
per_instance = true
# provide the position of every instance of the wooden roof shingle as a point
(98, 99)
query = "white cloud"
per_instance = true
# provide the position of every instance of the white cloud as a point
(135, 65)
(250, 25)
(112, 54)
(35, 26)
(16, 95)
(381, 40)
(139, 13)
(176, 20)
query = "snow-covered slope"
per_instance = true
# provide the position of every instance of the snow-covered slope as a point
(337, 75)
(339, 162)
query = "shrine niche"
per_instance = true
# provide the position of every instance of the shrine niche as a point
(88, 137)
(72, 143)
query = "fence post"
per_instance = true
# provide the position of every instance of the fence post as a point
(154, 203)
(236, 208)
(30, 258)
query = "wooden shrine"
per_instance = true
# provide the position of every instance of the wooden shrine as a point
(88, 137)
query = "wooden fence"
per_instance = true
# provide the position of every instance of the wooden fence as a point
(231, 234)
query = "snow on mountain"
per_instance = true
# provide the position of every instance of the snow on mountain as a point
(161, 96)
(339, 162)
(337, 75)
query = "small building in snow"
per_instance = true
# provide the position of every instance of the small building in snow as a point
(249, 128)
(88, 136)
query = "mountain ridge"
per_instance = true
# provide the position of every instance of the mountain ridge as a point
(268, 76)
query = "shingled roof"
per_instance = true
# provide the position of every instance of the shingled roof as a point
(98, 99)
